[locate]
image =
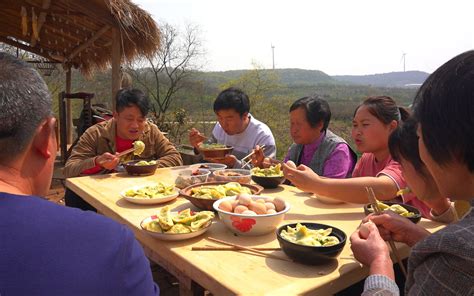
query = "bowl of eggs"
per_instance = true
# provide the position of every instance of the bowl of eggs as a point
(251, 215)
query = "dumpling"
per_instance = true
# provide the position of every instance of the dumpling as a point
(179, 228)
(153, 226)
(184, 217)
(164, 217)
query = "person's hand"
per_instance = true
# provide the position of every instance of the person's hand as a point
(302, 177)
(196, 138)
(107, 160)
(398, 228)
(229, 160)
(368, 246)
(258, 157)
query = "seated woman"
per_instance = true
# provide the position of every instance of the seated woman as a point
(440, 263)
(314, 144)
(374, 120)
(403, 144)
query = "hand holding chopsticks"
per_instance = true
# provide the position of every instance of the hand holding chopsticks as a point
(375, 207)
(249, 156)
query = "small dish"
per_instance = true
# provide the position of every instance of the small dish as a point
(233, 175)
(148, 201)
(415, 219)
(139, 170)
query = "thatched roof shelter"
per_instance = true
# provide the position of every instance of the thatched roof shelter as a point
(78, 33)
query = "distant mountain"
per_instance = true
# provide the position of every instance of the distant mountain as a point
(287, 76)
(392, 79)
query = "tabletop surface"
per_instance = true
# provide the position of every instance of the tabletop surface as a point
(232, 272)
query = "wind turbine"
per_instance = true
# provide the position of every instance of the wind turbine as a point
(273, 55)
(403, 58)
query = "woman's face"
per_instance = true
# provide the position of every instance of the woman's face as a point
(301, 131)
(423, 186)
(452, 178)
(369, 133)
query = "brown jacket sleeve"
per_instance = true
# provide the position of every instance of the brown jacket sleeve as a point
(164, 151)
(83, 154)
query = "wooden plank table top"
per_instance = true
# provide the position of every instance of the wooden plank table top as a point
(231, 272)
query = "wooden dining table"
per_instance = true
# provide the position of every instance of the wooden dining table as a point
(235, 272)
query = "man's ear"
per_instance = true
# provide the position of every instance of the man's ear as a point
(115, 115)
(44, 137)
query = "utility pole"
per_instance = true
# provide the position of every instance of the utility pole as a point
(273, 56)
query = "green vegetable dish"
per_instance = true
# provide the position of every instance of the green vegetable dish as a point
(185, 221)
(144, 162)
(396, 208)
(219, 191)
(309, 237)
(151, 191)
(212, 146)
(273, 171)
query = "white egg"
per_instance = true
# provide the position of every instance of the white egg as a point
(249, 213)
(279, 204)
(244, 199)
(291, 164)
(364, 230)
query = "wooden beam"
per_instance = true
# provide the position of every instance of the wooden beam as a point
(68, 106)
(116, 60)
(88, 42)
(44, 54)
(41, 20)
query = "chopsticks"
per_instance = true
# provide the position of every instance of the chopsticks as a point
(125, 152)
(215, 248)
(253, 250)
(375, 206)
(250, 155)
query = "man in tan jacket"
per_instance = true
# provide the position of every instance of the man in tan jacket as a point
(97, 149)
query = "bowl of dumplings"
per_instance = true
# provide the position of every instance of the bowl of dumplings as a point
(140, 167)
(404, 210)
(173, 226)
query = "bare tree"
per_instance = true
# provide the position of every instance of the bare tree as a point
(164, 74)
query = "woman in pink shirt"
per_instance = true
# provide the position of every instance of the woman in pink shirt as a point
(373, 122)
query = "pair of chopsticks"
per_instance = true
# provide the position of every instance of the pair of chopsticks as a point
(375, 206)
(126, 152)
(250, 156)
(235, 247)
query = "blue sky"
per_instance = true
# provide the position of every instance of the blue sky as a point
(337, 37)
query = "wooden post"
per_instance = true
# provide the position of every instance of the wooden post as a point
(68, 106)
(116, 59)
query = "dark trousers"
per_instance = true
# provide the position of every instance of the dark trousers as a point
(75, 201)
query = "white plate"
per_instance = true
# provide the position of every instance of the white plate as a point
(148, 201)
(173, 236)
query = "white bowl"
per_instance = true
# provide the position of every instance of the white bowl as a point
(249, 225)
(148, 201)
(242, 175)
(173, 236)
(186, 178)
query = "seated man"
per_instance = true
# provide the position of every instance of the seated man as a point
(97, 149)
(314, 145)
(236, 128)
(48, 249)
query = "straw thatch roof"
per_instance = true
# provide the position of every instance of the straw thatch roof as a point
(78, 32)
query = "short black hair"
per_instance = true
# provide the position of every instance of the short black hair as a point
(232, 98)
(316, 109)
(403, 143)
(128, 97)
(444, 107)
(25, 102)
